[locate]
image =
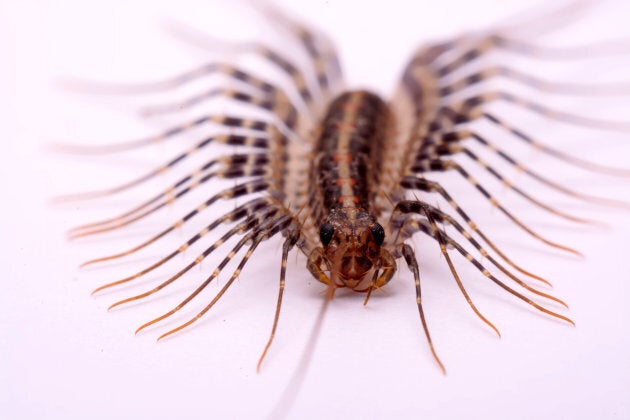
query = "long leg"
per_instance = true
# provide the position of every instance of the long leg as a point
(320, 49)
(289, 243)
(414, 225)
(443, 128)
(445, 219)
(412, 263)
(245, 188)
(248, 237)
(214, 68)
(603, 48)
(421, 208)
(247, 225)
(254, 142)
(467, 52)
(529, 80)
(581, 163)
(485, 44)
(470, 109)
(249, 208)
(223, 121)
(277, 104)
(450, 143)
(235, 166)
(272, 227)
(482, 235)
(429, 186)
(427, 165)
(274, 57)
(422, 79)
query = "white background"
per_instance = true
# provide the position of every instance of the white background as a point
(63, 356)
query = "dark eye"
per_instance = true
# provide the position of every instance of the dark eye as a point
(379, 233)
(326, 233)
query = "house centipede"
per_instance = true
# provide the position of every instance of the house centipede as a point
(353, 212)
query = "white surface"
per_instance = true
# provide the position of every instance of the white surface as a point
(63, 356)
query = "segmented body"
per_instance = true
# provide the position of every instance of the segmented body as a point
(344, 180)
(352, 212)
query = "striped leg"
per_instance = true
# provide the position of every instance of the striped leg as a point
(472, 51)
(293, 235)
(410, 182)
(277, 103)
(320, 49)
(526, 79)
(428, 165)
(448, 143)
(409, 227)
(409, 255)
(441, 129)
(245, 188)
(412, 263)
(560, 155)
(465, 52)
(275, 58)
(248, 209)
(422, 81)
(400, 226)
(268, 229)
(431, 230)
(286, 66)
(471, 109)
(247, 225)
(223, 121)
(235, 166)
(227, 70)
(227, 139)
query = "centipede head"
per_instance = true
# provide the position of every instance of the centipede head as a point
(351, 241)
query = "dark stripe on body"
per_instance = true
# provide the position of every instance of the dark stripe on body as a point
(349, 150)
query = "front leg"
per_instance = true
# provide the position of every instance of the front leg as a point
(412, 263)
(314, 265)
(387, 263)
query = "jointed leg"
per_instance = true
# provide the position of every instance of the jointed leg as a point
(266, 230)
(433, 231)
(430, 186)
(245, 210)
(289, 243)
(252, 222)
(412, 263)
(239, 190)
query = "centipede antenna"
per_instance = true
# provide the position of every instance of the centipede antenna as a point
(282, 408)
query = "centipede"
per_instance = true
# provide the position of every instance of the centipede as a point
(347, 177)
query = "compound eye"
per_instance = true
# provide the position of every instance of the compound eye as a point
(378, 233)
(326, 233)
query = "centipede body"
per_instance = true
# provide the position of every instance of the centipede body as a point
(300, 219)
